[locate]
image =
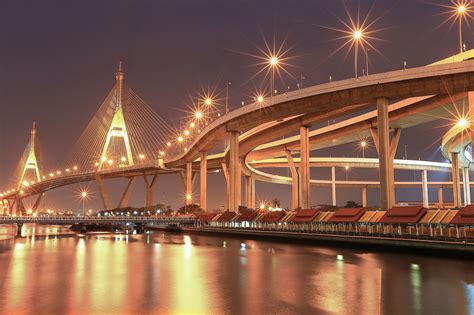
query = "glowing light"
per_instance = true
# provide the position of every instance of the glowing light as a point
(189, 197)
(262, 206)
(67, 170)
(192, 125)
(123, 159)
(274, 61)
(169, 144)
(260, 98)
(347, 167)
(51, 174)
(96, 163)
(208, 101)
(110, 162)
(104, 158)
(198, 114)
(462, 123)
(22, 192)
(186, 132)
(363, 143)
(84, 194)
(75, 167)
(162, 153)
(58, 172)
(357, 34)
(461, 9)
(185, 149)
(180, 139)
(141, 156)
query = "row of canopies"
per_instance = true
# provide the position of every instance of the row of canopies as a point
(395, 215)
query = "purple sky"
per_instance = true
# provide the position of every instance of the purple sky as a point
(58, 58)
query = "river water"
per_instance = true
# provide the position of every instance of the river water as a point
(53, 271)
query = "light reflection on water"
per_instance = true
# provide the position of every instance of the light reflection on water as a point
(54, 271)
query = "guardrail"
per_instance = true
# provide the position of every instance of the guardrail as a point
(111, 219)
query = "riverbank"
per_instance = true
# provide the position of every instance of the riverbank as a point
(431, 247)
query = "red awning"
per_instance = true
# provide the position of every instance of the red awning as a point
(249, 216)
(305, 215)
(465, 216)
(273, 216)
(348, 215)
(226, 216)
(403, 215)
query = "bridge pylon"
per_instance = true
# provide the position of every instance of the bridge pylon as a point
(117, 128)
(31, 162)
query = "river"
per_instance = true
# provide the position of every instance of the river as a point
(53, 271)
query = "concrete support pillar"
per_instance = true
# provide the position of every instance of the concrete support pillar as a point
(424, 188)
(189, 183)
(455, 176)
(304, 168)
(225, 170)
(364, 196)
(203, 180)
(234, 171)
(127, 192)
(466, 186)
(295, 200)
(149, 189)
(386, 180)
(333, 186)
(250, 191)
(440, 197)
(103, 193)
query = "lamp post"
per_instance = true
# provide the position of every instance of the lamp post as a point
(357, 35)
(273, 64)
(461, 10)
(84, 197)
(363, 144)
(366, 61)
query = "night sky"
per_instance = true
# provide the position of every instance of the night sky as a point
(58, 61)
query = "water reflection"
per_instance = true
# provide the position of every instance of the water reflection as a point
(53, 271)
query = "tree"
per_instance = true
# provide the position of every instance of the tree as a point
(190, 209)
(276, 203)
(163, 208)
(352, 204)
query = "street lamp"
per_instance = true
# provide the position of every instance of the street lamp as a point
(208, 101)
(363, 145)
(83, 197)
(357, 36)
(461, 10)
(273, 63)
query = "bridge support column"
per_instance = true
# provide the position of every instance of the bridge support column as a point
(295, 202)
(304, 168)
(127, 192)
(203, 180)
(103, 193)
(386, 180)
(250, 191)
(455, 177)
(364, 197)
(189, 183)
(225, 170)
(333, 186)
(424, 188)
(149, 189)
(440, 197)
(466, 186)
(234, 171)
